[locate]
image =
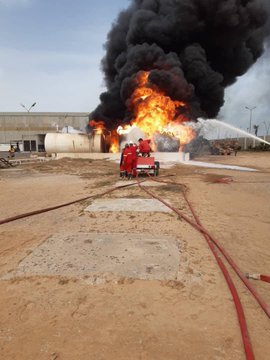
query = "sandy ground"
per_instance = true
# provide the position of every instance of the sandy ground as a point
(107, 316)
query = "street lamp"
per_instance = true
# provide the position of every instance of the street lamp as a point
(28, 110)
(250, 118)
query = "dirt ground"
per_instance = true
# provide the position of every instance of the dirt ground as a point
(105, 316)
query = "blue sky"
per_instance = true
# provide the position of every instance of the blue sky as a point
(50, 53)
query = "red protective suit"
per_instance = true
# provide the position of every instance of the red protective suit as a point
(127, 160)
(133, 150)
(122, 165)
(144, 147)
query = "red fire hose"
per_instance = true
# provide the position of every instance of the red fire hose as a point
(40, 211)
(212, 242)
(265, 278)
(199, 227)
(239, 309)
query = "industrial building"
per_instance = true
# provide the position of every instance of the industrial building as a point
(27, 130)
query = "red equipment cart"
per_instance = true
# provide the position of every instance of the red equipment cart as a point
(147, 165)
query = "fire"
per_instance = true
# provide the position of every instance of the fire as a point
(100, 129)
(154, 112)
(114, 147)
(180, 131)
(98, 126)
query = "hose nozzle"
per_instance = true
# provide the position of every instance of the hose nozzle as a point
(253, 276)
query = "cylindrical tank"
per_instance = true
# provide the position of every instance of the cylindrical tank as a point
(74, 143)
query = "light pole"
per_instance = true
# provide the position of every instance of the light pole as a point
(28, 110)
(66, 115)
(250, 118)
(267, 127)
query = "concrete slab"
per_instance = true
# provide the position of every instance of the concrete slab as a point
(127, 255)
(126, 204)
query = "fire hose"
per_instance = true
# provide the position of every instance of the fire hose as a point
(41, 211)
(239, 308)
(265, 278)
(213, 245)
(199, 227)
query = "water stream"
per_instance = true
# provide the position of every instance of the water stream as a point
(218, 123)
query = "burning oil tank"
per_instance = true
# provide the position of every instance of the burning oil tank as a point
(160, 142)
(75, 143)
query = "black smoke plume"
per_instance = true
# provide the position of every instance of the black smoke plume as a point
(193, 49)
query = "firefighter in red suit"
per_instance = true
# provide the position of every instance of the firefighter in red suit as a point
(127, 161)
(144, 147)
(133, 150)
(122, 163)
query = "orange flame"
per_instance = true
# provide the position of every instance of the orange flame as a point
(98, 126)
(154, 112)
(114, 147)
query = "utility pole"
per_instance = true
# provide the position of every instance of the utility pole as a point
(250, 117)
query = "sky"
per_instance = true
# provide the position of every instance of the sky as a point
(251, 90)
(50, 53)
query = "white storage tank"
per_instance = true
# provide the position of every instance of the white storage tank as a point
(74, 143)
